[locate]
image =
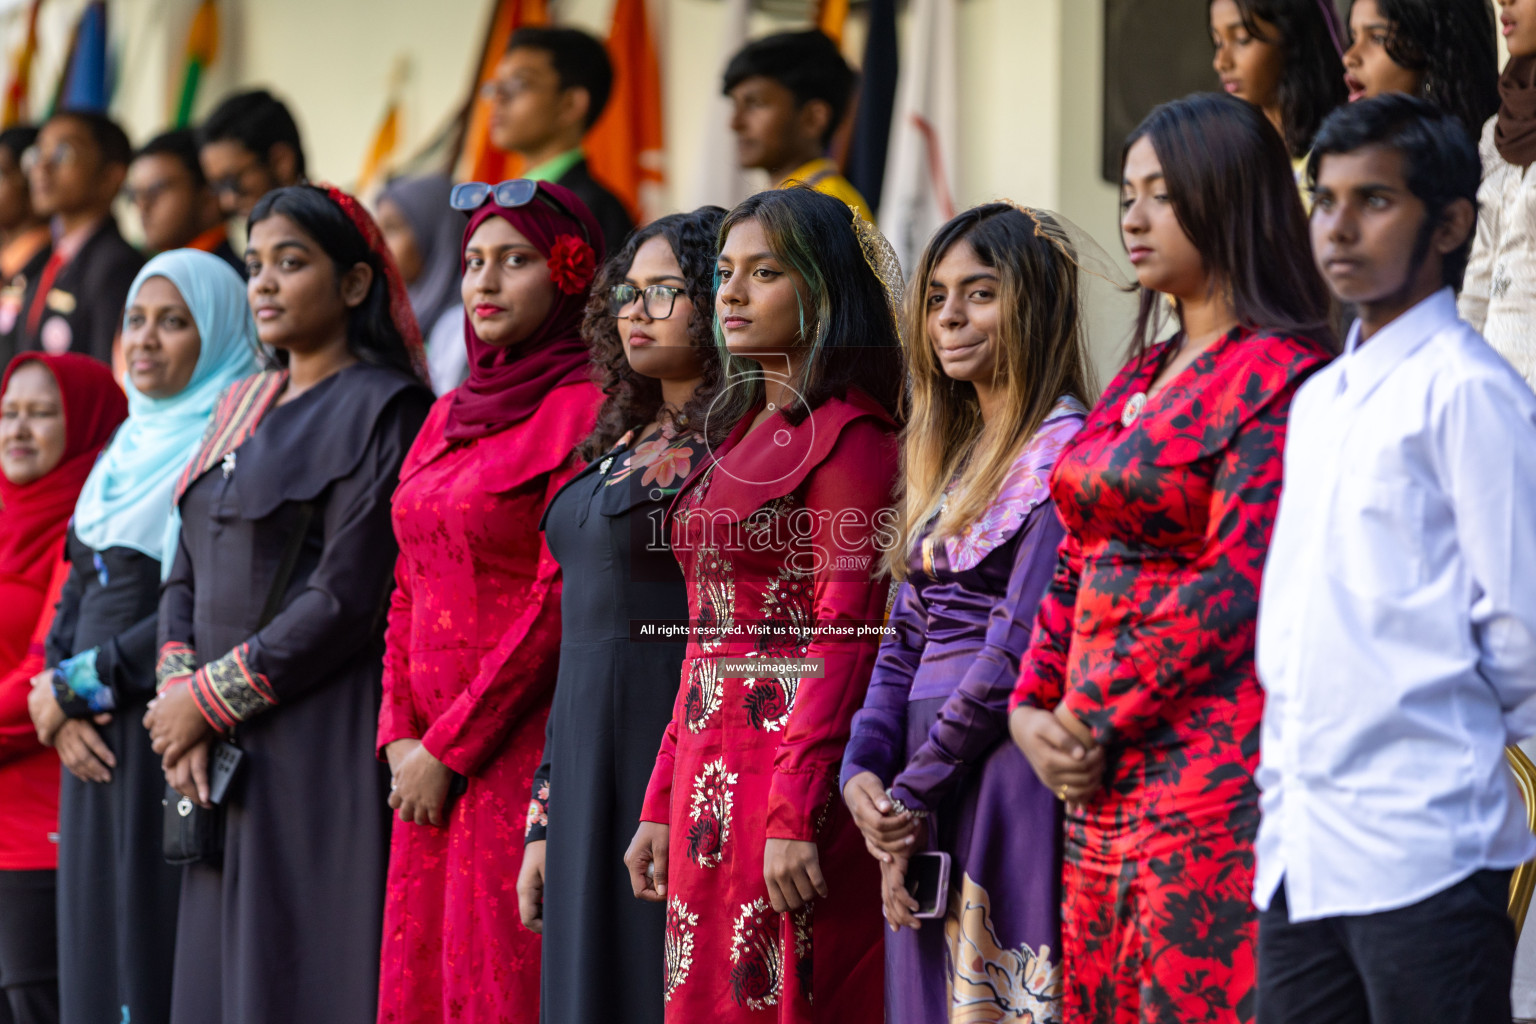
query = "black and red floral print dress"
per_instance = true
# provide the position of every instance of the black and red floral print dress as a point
(1146, 634)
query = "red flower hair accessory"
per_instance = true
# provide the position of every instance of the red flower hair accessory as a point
(572, 264)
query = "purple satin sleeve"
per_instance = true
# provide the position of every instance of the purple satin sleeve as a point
(878, 739)
(975, 717)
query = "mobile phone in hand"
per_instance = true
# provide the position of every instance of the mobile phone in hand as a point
(927, 882)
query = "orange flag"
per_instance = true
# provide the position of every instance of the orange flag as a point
(625, 149)
(831, 17)
(479, 160)
(18, 90)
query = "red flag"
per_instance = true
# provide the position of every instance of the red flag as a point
(625, 148)
(18, 90)
(479, 160)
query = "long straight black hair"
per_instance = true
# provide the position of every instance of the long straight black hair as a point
(372, 335)
(1234, 194)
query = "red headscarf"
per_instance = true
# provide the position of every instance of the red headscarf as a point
(506, 385)
(33, 516)
(399, 300)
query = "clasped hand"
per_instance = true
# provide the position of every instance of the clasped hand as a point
(80, 747)
(1061, 750)
(419, 782)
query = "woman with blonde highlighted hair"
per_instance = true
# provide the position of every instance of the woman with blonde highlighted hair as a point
(995, 342)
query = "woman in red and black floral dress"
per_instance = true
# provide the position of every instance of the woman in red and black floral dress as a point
(1138, 703)
(773, 906)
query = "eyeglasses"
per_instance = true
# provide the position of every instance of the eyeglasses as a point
(62, 155)
(658, 300)
(512, 193)
(235, 185)
(147, 195)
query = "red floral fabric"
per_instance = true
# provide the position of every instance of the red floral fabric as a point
(771, 573)
(470, 662)
(1146, 634)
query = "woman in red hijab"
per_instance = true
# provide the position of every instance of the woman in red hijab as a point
(56, 414)
(474, 626)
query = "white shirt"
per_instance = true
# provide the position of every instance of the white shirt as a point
(1397, 623)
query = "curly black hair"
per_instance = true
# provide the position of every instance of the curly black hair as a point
(1453, 44)
(633, 400)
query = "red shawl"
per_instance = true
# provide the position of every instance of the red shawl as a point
(506, 384)
(35, 515)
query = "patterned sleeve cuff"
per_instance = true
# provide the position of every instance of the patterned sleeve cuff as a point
(177, 663)
(79, 690)
(228, 692)
(538, 812)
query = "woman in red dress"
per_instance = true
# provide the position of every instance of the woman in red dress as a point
(474, 624)
(773, 907)
(56, 415)
(1137, 702)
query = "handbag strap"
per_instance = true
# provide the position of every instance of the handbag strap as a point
(296, 538)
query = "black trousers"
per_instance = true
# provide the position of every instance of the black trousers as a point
(1446, 959)
(29, 941)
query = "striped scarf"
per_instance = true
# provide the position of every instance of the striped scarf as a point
(234, 421)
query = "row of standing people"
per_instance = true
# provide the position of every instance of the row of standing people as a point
(776, 457)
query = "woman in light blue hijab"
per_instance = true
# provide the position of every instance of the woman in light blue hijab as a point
(187, 335)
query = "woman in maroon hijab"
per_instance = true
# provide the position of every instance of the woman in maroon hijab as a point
(474, 626)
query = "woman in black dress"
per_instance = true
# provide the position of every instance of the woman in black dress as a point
(286, 929)
(187, 336)
(650, 327)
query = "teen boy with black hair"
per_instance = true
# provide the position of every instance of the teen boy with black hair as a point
(249, 146)
(75, 304)
(548, 91)
(789, 93)
(1397, 623)
(176, 207)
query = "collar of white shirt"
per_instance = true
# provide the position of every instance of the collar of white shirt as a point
(1365, 365)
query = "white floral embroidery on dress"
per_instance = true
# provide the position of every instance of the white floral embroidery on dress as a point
(711, 813)
(757, 971)
(677, 946)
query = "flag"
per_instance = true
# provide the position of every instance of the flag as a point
(18, 90)
(721, 181)
(877, 95)
(202, 48)
(831, 16)
(86, 82)
(478, 159)
(625, 148)
(918, 195)
(381, 152)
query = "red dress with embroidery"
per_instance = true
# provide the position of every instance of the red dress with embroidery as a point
(1146, 634)
(777, 544)
(470, 663)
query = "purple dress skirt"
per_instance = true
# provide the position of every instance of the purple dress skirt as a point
(934, 728)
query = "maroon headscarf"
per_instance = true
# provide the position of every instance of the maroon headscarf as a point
(506, 385)
(33, 516)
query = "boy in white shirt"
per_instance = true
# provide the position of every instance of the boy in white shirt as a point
(1397, 622)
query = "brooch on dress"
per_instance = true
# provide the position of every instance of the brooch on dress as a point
(1132, 411)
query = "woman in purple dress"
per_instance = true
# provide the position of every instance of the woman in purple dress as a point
(996, 346)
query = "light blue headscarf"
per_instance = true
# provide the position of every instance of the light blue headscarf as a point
(126, 501)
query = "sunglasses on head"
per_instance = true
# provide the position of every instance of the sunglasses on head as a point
(514, 192)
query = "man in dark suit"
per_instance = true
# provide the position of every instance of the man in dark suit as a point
(76, 303)
(548, 91)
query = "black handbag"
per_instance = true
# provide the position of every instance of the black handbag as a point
(194, 834)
